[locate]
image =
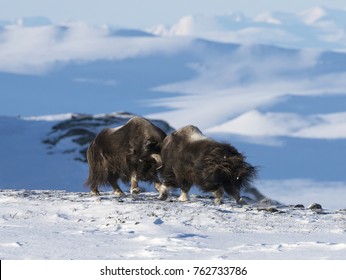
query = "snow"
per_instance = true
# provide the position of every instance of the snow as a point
(318, 27)
(268, 18)
(256, 124)
(72, 225)
(313, 15)
(26, 162)
(50, 118)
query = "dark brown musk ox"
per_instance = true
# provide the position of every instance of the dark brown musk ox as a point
(130, 153)
(190, 158)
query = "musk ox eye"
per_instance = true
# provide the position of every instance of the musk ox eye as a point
(238, 178)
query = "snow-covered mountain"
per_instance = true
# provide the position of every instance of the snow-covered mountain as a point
(318, 27)
(274, 86)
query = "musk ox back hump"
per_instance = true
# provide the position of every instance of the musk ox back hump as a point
(137, 135)
(190, 133)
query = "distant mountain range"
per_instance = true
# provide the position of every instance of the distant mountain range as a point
(318, 27)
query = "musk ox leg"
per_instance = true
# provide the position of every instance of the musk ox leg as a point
(94, 190)
(113, 180)
(218, 196)
(184, 193)
(134, 184)
(157, 185)
(163, 190)
(235, 193)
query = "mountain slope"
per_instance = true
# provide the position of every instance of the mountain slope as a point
(49, 152)
(318, 27)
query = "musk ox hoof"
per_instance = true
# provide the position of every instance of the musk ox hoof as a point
(97, 193)
(163, 196)
(218, 201)
(118, 193)
(183, 198)
(163, 190)
(136, 191)
(244, 201)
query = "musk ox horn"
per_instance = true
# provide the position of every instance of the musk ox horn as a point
(158, 159)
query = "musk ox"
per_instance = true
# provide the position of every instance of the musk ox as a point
(190, 158)
(130, 153)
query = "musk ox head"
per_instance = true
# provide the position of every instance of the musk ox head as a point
(148, 166)
(152, 146)
(224, 167)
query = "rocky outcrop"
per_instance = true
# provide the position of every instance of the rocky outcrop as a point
(73, 135)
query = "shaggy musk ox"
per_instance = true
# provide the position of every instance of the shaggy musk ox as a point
(130, 153)
(190, 158)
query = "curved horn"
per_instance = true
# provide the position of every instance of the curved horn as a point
(157, 157)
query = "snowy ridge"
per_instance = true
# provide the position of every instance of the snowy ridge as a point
(80, 226)
(318, 27)
(50, 118)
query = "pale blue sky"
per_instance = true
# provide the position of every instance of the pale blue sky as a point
(147, 13)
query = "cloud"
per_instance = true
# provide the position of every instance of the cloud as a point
(35, 50)
(233, 28)
(314, 28)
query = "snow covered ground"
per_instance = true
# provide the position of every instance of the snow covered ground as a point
(72, 225)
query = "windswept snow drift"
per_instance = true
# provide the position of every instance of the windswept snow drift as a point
(65, 225)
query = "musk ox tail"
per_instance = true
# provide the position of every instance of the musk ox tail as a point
(98, 171)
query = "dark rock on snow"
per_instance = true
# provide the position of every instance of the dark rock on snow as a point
(81, 129)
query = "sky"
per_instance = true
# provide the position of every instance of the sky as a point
(148, 13)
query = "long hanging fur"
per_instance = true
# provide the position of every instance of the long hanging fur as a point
(98, 170)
